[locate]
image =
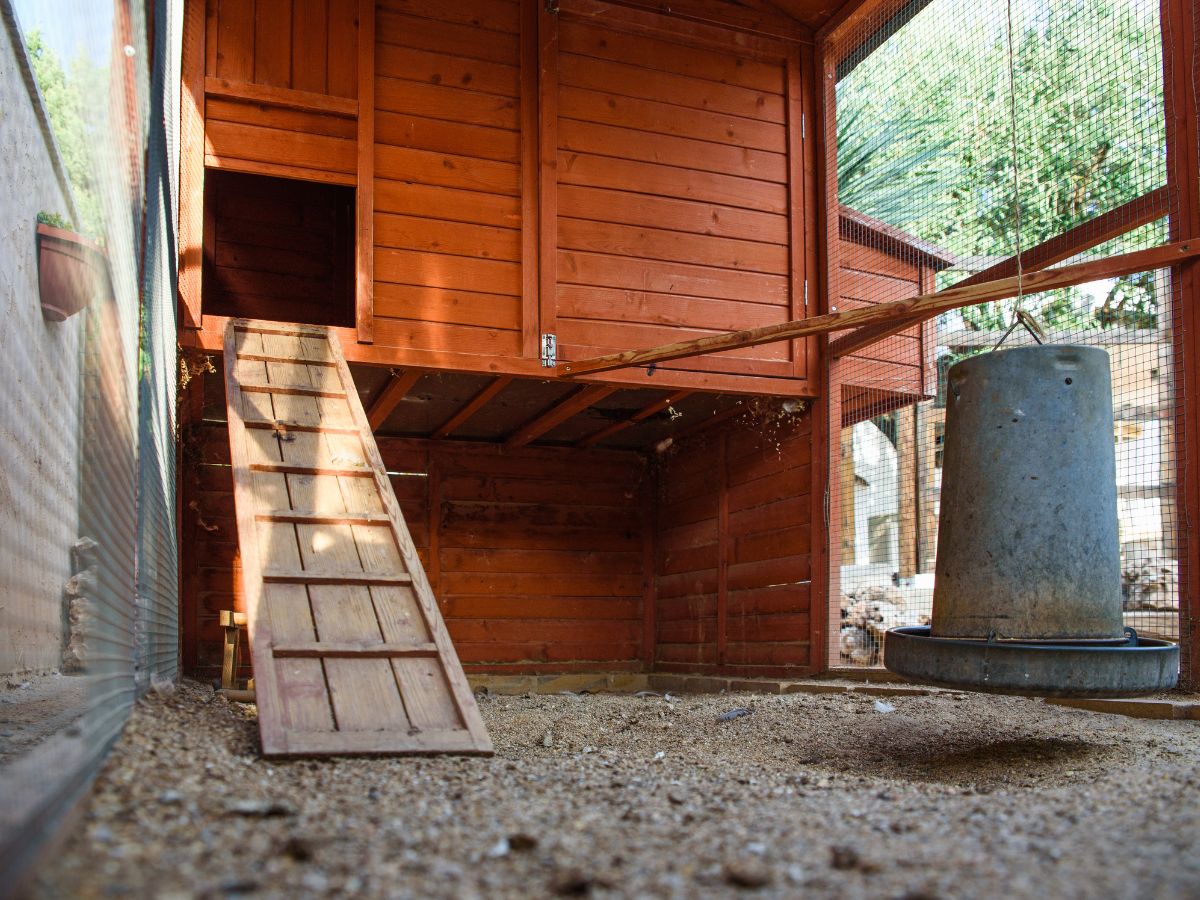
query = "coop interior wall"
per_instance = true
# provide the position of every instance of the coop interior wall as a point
(555, 559)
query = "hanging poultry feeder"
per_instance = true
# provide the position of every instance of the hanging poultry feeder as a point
(1027, 594)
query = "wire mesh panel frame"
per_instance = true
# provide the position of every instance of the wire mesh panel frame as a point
(843, 45)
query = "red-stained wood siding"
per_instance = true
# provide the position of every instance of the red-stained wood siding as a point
(302, 45)
(672, 194)
(734, 571)
(899, 369)
(535, 555)
(448, 223)
(275, 71)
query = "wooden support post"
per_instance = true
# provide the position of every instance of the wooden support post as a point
(191, 165)
(909, 505)
(899, 311)
(364, 240)
(530, 177)
(1181, 47)
(547, 77)
(233, 623)
(641, 415)
(476, 403)
(559, 413)
(396, 389)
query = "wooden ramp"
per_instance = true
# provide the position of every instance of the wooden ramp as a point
(350, 652)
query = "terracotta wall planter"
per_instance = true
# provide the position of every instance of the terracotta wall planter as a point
(71, 271)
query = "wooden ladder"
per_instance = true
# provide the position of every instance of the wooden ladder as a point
(350, 652)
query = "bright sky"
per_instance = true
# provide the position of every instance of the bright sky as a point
(70, 27)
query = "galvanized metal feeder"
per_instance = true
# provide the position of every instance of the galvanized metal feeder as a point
(1027, 595)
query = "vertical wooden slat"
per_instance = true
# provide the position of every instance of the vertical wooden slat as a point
(723, 547)
(364, 268)
(530, 137)
(191, 165)
(309, 36)
(650, 568)
(235, 40)
(434, 479)
(209, 55)
(272, 42)
(795, 166)
(827, 409)
(343, 48)
(548, 168)
(810, 82)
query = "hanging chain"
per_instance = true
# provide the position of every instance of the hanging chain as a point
(1020, 317)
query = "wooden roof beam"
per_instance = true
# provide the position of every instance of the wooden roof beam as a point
(1125, 218)
(896, 312)
(576, 403)
(396, 389)
(641, 415)
(472, 406)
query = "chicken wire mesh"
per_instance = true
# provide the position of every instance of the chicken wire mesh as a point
(89, 596)
(1033, 137)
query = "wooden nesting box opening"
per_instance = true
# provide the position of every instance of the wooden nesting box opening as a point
(279, 249)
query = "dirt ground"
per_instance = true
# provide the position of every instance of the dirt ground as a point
(816, 795)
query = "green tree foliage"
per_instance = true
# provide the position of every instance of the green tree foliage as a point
(932, 112)
(65, 95)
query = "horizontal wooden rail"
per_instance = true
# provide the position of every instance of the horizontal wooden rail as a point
(896, 311)
(286, 360)
(352, 649)
(265, 95)
(303, 576)
(1125, 218)
(299, 390)
(302, 517)
(285, 426)
(292, 469)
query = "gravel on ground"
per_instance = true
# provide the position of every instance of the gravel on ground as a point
(608, 795)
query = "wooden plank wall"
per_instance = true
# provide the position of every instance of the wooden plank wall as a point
(733, 569)
(536, 568)
(448, 174)
(281, 81)
(672, 192)
(281, 250)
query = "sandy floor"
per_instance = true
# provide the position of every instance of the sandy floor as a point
(616, 795)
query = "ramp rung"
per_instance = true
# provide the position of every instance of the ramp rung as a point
(303, 517)
(289, 469)
(289, 360)
(301, 390)
(284, 425)
(281, 576)
(345, 649)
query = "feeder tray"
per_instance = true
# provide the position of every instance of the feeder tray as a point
(1027, 590)
(1134, 667)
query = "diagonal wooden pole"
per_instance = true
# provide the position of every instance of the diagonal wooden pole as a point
(899, 310)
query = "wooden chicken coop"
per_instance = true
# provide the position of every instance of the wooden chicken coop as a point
(474, 196)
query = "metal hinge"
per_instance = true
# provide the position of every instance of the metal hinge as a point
(806, 293)
(825, 504)
(801, 126)
(549, 350)
(552, 7)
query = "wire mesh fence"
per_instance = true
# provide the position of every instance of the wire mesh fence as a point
(88, 614)
(1034, 135)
